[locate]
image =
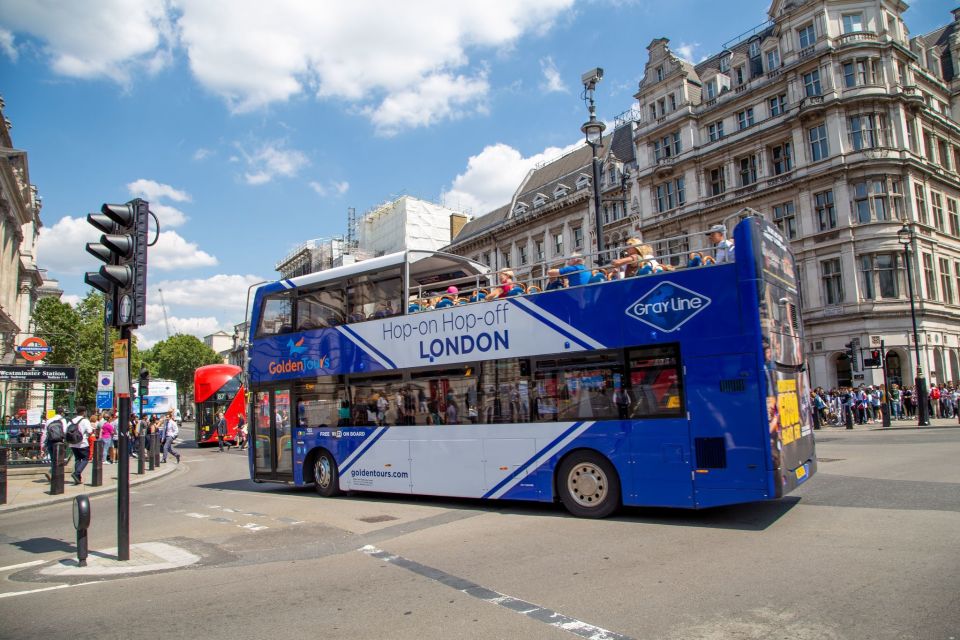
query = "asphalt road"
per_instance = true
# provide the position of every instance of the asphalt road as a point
(867, 549)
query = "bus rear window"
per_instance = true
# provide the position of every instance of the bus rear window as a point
(276, 315)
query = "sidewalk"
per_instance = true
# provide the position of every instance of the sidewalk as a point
(935, 423)
(26, 489)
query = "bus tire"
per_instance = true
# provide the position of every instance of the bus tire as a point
(588, 485)
(326, 476)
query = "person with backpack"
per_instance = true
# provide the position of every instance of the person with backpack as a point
(170, 431)
(52, 435)
(77, 434)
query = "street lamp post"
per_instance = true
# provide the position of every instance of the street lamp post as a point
(593, 131)
(905, 236)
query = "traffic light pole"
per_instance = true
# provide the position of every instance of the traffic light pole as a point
(123, 472)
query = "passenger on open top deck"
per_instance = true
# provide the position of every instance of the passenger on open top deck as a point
(722, 247)
(506, 284)
(574, 271)
(554, 281)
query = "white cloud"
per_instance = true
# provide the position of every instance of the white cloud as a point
(110, 38)
(220, 292)
(7, 45)
(441, 96)
(493, 175)
(331, 188)
(379, 55)
(551, 76)
(270, 160)
(60, 249)
(685, 50)
(71, 299)
(172, 251)
(155, 329)
(152, 190)
(202, 154)
(167, 215)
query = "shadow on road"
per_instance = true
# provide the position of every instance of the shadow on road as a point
(43, 545)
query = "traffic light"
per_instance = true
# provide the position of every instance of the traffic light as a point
(875, 360)
(123, 250)
(144, 385)
(852, 355)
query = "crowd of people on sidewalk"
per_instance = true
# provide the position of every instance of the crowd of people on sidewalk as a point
(865, 404)
(80, 433)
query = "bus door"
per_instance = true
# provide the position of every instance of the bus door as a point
(272, 436)
(728, 424)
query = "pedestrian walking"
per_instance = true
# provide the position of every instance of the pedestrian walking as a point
(221, 426)
(53, 433)
(170, 431)
(77, 436)
(106, 436)
(241, 432)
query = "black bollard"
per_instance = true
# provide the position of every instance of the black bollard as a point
(97, 477)
(157, 444)
(153, 448)
(141, 446)
(81, 521)
(3, 475)
(57, 467)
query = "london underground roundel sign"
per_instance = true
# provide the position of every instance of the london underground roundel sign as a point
(34, 349)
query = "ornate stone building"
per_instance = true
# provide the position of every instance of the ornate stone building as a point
(20, 279)
(830, 120)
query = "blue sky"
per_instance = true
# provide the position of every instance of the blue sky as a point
(252, 126)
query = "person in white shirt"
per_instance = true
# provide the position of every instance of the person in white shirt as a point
(722, 248)
(170, 433)
(81, 450)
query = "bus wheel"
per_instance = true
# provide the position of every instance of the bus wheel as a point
(326, 478)
(588, 485)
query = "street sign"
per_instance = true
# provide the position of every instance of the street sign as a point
(104, 399)
(34, 349)
(31, 373)
(105, 381)
(121, 368)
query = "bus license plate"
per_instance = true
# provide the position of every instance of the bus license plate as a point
(801, 472)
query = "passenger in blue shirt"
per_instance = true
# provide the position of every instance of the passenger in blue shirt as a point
(575, 273)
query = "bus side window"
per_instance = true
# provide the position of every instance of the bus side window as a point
(321, 308)
(655, 382)
(276, 316)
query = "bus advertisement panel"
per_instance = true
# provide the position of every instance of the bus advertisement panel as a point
(684, 388)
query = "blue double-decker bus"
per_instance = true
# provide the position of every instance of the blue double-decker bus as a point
(684, 388)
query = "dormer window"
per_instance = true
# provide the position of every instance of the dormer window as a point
(583, 181)
(520, 207)
(725, 64)
(539, 200)
(561, 190)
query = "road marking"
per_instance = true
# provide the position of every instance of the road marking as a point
(533, 611)
(11, 594)
(22, 565)
(253, 526)
(196, 515)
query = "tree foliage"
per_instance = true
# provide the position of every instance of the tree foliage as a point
(176, 358)
(76, 335)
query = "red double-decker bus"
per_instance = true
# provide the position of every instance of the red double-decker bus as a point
(216, 387)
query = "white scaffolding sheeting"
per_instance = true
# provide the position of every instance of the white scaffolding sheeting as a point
(405, 223)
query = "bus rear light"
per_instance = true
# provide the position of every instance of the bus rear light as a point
(703, 470)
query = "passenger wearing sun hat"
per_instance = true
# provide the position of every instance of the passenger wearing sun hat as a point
(722, 248)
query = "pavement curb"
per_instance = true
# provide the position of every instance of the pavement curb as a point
(135, 480)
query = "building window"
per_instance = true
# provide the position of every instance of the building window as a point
(718, 182)
(832, 281)
(929, 147)
(577, 238)
(773, 59)
(896, 199)
(486, 258)
(672, 100)
(852, 22)
(929, 276)
(660, 73)
(744, 118)
(747, 168)
(778, 105)
(739, 75)
(680, 189)
(819, 149)
(558, 243)
(725, 64)
(712, 89)
(667, 146)
(870, 200)
(716, 130)
(811, 83)
(954, 219)
(754, 49)
(826, 213)
(540, 254)
(867, 131)
(936, 203)
(781, 158)
(785, 219)
(921, 201)
(956, 275)
(522, 251)
(860, 72)
(944, 154)
(505, 254)
(807, 35)
(881, 275)
(670, 194)
(946, 285)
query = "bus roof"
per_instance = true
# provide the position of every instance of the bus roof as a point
(426, 267)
